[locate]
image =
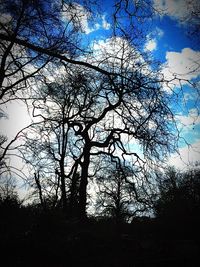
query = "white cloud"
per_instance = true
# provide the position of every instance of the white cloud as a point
(158, 32)
(152, 38)
(113, 52)
(177, 9)
(151, 45)
(105, 24)
(192, 118)
(187, 156)
(185, 63)
(80, 17)
(188, 125)
(18, 118)
(182, 65)
(97, 26)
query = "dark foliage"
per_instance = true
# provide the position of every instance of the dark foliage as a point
(179, 195)
(32, 236)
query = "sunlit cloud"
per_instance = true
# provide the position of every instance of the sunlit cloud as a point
(110, 51)
(78, 16)
(177, 9)
(181, 67)
(191, 119)
(186, 157)
(152, 39)
(156, 34)
(151, 45)
(189, 124)
(105, 23)
(17, 118)
(81, 19)
(185, 63)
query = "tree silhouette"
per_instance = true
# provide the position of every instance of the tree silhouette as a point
(86, 115)
(119, 194)
(179, 194)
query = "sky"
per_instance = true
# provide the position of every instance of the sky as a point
(167, 42)
(181, 52)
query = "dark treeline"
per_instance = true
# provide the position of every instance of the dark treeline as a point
(43, 236)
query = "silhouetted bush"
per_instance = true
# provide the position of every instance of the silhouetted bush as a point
(178, 207)
(179, 195)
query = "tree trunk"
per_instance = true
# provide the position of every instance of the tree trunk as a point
(63, 188)
(37, 180)
(73, 200)
(83, 184)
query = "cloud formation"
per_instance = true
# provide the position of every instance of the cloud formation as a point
(182, 65)
(186, 157)
(80, 17)
(111, 52)
(105, 24)
(189, 125)
(152, 39)
(191, 119)
(151, 45)
(181, 10)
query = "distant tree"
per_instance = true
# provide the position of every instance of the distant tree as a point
(7, 187)
(3, 140)
(119, 194)
(9, 198)
(179, 194)
(51, 147)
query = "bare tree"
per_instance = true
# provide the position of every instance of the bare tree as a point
(91, 115)
(50, 146)
(120, 195)
(179, 194)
